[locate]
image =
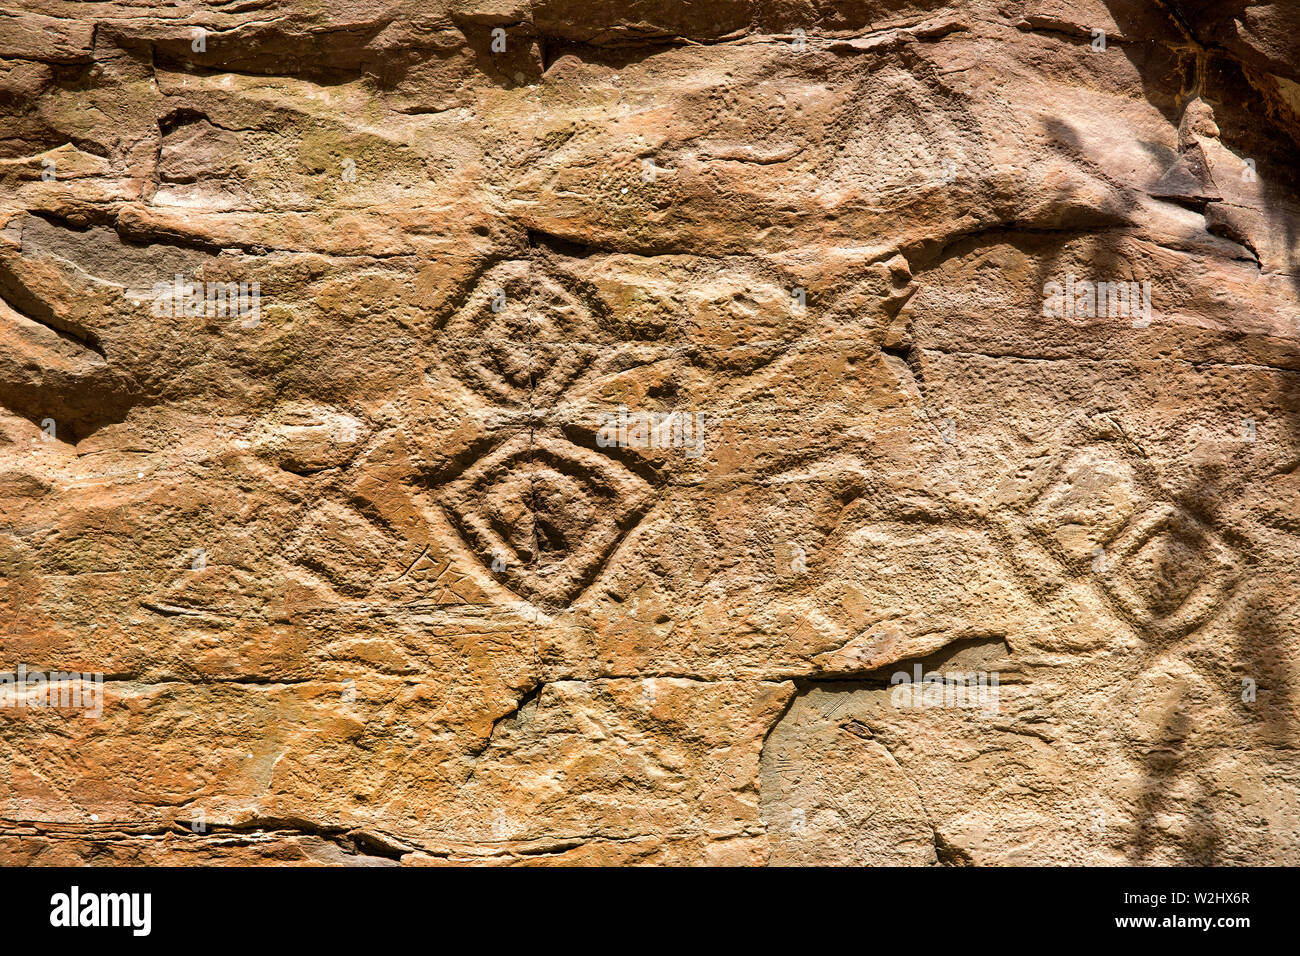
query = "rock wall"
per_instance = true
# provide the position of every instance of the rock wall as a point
(575, 432)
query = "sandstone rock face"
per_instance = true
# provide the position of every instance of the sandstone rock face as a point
(573, 432)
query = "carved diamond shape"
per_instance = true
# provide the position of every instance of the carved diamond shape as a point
(1165, 569)
(524, 337)
(544, 514)
(1168, 571)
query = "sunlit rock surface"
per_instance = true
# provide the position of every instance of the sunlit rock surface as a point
(566, 432)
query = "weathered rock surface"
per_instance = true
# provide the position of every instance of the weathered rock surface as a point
(367, 579)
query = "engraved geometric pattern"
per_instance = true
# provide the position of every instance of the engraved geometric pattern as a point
(540, 512)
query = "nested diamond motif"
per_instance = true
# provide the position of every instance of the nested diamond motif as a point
(545, 514)
(542, 513)
(1163, 567)
(521, 338)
